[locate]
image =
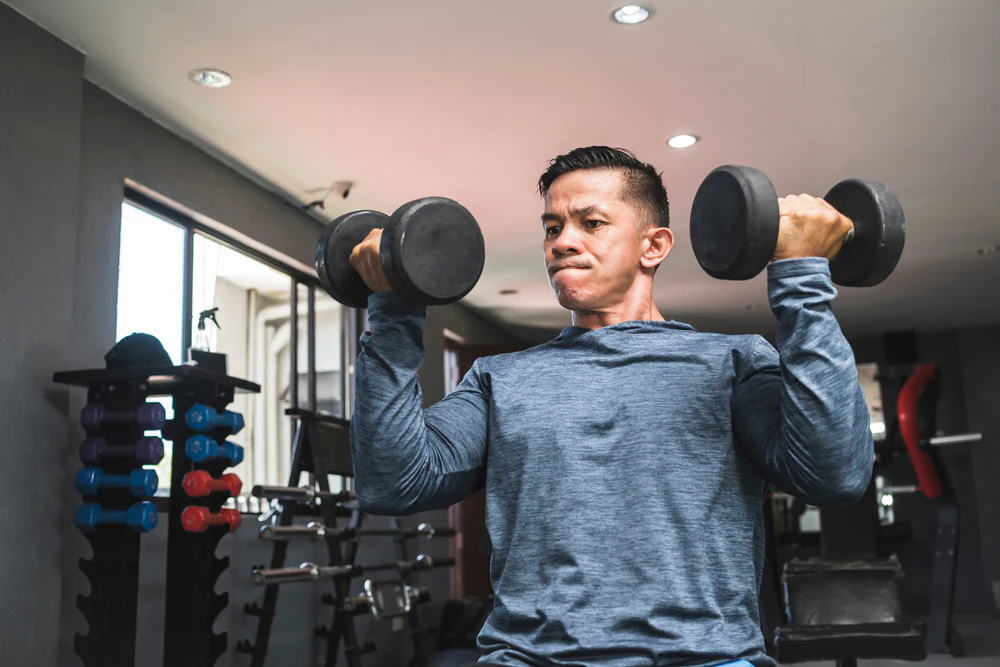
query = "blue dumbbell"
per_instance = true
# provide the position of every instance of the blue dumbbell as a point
(202, 448)
(204, 418)
(139, 482)
(140, 518)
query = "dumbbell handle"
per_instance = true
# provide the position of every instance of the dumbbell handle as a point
(318, 531)
(304, 573)
(314, 531)
(421, 562)
(429, 531)
(299, 494)
(953, 439)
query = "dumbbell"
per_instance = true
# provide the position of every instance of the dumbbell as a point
(198, 483)
(204, 418)
(202, 448)
(432, 252)
(149, 416)
(196, 519)
(139, 482)
(147, 450)
(401, 597)
(140, 518)
(734, 227)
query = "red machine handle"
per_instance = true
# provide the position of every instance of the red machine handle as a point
(906, 409)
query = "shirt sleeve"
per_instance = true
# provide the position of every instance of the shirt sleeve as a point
(408, 459)
(799, 411)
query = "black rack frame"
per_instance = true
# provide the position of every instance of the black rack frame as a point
(192, 569)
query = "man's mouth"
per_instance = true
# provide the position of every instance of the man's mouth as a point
(557, 269)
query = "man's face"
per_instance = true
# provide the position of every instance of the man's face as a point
(592, 240)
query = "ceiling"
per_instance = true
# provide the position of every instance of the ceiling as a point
(470, 100)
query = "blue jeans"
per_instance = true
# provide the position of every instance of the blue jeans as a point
(738, 663)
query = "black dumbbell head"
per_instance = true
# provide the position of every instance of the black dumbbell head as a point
(879, 232)
(432, 251)
(734, 223)
(333, 256)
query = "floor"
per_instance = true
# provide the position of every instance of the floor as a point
(982, 648)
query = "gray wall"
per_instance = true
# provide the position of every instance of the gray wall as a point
(41, 83)
(980, 367)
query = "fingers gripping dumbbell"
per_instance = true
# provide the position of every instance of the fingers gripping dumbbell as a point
(140, 518)
(199, 483)
(202, 448)
(203, 418)
(149, 416)
(431, 252)
(198, 519)
(139, 482)
(146, 451)
(735, 219)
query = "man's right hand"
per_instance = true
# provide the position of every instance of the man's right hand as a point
(366, 261)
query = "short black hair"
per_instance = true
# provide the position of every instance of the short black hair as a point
(643, 185)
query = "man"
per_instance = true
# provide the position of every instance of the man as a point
(625, 461)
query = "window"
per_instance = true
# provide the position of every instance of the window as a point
(250, 295)
(150, 296)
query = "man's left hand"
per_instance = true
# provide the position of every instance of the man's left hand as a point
(809, 227)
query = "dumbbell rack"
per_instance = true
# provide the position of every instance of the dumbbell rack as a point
(113, 571)
(308, 456)
(416, 635)
(192, 569)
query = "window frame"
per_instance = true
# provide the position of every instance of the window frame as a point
(353, 320)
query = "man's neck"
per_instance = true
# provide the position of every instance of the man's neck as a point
(619, 313)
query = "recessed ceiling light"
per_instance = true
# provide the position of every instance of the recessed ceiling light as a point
(682, 141)
(987, 250)
(210, 78)
(631, 14)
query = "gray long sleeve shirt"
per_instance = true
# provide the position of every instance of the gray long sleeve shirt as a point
(625, 469)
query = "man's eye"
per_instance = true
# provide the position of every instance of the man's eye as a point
(594, 224)
(552, 231)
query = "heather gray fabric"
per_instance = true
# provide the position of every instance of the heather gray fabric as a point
(625, 469)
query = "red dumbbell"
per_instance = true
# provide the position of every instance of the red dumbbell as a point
(198, 483)
(197, 519)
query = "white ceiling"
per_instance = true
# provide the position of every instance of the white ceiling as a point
(470, 99)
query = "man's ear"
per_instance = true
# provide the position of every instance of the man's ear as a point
(658, 244)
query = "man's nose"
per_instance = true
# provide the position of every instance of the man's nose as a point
(567, 243)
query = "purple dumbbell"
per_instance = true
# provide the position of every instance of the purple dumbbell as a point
(147, 450)
(148, 415)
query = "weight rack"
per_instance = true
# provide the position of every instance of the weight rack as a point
(311, 455)
(192, 569)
